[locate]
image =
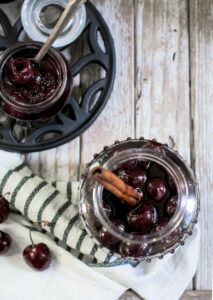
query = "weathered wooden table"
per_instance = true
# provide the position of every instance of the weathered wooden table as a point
(163, 90)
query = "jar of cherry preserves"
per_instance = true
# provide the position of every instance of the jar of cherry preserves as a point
(31, 92)
(166, 213)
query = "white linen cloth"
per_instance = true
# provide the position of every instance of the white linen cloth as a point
(68, 278)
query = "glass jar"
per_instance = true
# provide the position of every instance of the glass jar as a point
(141, 246)
(40, 16)
(40, 111)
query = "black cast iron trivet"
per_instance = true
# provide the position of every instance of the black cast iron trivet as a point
(94, 73)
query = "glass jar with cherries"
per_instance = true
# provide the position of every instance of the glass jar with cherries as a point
(139, 199)
(32, 92)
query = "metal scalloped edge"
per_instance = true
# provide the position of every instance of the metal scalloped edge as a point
(87, 120)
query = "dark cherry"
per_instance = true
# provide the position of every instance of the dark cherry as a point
(161, 224)
(134, 250)
(5, 242)
(21, 70)
(134, 177)
(142, 218)
(4, 210)
(130, 164)
(157, 189)
(172, 184)
(171, 205)
(145, 164)
(38, 257)
(106, 238)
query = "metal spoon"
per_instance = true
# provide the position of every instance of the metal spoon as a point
(69, 12)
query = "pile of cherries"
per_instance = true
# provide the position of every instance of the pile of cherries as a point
(157, 206)
(38, 257)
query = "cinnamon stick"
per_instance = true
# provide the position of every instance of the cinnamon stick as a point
(116, 186)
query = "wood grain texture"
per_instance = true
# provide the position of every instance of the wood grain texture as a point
(197, 295)
(162, 73)
(162, 77)
(189, 295)
(130, 295)
(117, 119)
(201, 29)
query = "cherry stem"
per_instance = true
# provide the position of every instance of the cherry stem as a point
(44, 223)
(31, 239)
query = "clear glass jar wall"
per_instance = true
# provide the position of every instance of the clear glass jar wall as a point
(141, 246)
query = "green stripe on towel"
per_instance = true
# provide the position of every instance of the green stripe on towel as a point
(69, 191)
(94, 250)
(20, 167)
(69, 227)
(4, 180)
(32, 195)
(81, 256)
(58, 215)
(46, 203)
(54, 184)
(81, 239)
(19, 186)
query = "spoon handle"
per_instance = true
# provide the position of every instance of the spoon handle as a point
(68, 13)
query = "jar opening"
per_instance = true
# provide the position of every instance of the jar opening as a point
(171, 169)
(53, 60)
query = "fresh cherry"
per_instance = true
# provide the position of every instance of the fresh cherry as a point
(134, 177)
(157, 189)
(4, 209)
(142, 218)
(171, 205)
(134, 250)
(130, 164)
(21, 70)
(38, 257)
(5, 242)
(107, 238)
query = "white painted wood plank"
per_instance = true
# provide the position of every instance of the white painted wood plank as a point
(162, 64)
(197, 295)
(117, 119)
(201, 27)
(61, 163)
(189, 295)
(162, 84)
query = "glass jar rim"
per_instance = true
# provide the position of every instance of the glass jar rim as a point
(37, 107)
(165, 240)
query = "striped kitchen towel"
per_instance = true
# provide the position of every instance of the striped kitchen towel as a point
(56, 203)
(38, 200)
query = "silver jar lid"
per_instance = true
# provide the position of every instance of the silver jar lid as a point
(40, 16)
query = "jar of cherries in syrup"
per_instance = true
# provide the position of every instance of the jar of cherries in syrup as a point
(32, 92)
(167, 210)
